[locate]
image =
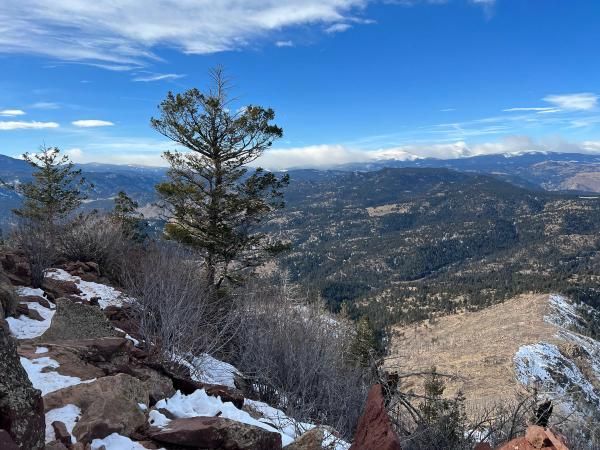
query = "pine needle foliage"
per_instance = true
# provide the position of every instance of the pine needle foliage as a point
(213, 203)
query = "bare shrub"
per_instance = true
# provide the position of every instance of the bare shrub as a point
(38, 244)
(177, 318)
(297, 357)
(97, 238)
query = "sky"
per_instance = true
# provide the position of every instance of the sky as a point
(349, 80)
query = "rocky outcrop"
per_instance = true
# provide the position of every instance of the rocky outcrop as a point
(16, 267)
(108, 405)
(537, 438)
(21, 407)
(60, 288)
(87, 271)
(216, 433)
(8, 298)
(375, 429)
(74, 321)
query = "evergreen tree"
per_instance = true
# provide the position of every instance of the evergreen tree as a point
(364, 345)
(213, 204)
(56, 190)
(125, 213)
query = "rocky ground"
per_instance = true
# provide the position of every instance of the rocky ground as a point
(74, 377)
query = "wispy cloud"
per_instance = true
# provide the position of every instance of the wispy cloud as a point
(533, 108)
(584, 101)
(122, 36)
(338, 28)
(158, 77)
(284, 43)
(45, 105)
(92, 123)
(12, 112)
(21, 125)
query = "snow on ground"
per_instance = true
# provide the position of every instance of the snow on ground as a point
(29, 291)
(132, 339)
(23, 327)
(293, 428)
(200, 404)
(39, 350)
(116, 442)
(107, 294)
(206, 369)
(543, 365)
(68, 414)
(48, 380)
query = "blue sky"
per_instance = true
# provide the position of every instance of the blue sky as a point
(350, 80)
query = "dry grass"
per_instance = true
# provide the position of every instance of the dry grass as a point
(477, 347)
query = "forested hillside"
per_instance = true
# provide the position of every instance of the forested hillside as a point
(406, 244)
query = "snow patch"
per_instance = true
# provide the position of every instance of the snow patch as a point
(543, 365)
(206, 369)
(48, 381)
(68, 414)
(39, 350)
(200, 404)
(25, 328)
(29, 291)
(108, 295)
(116, 442)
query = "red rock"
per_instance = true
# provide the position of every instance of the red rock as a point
(375, 429)
(216, 433)
(559, 441)
(536, 436)
(61, 433)
(35, 299)
(60, 288)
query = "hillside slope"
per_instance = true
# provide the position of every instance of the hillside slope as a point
(405, 244)
(533, 341)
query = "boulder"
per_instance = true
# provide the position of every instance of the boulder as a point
(35, 299)
(311, 440)
(60, 288)
(61, 433)
(74, 321)
(21, 406)
(216, 433)
(108, 405)
(536, 438)
(375, 429)
(8, 298)
(87, 271)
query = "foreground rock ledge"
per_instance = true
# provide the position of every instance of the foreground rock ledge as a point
(216, 433)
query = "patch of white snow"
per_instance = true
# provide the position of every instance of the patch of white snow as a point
(68, 414)
(116, 442)
(48, 381)
(25, 328)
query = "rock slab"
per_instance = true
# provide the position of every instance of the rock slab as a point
(216, 433)
(375, 429)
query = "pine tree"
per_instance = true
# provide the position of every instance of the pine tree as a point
(56, 190)
(52, 196)
(364, 344)
(213, 204)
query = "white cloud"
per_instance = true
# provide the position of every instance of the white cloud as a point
(158, 77)
(535, 108)
(338, 28)
(92, 123)
(324, 156)
(584, 101)
(20, 125)
(122, 35)
(45, 105)
(12, 112)
(284, 44)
